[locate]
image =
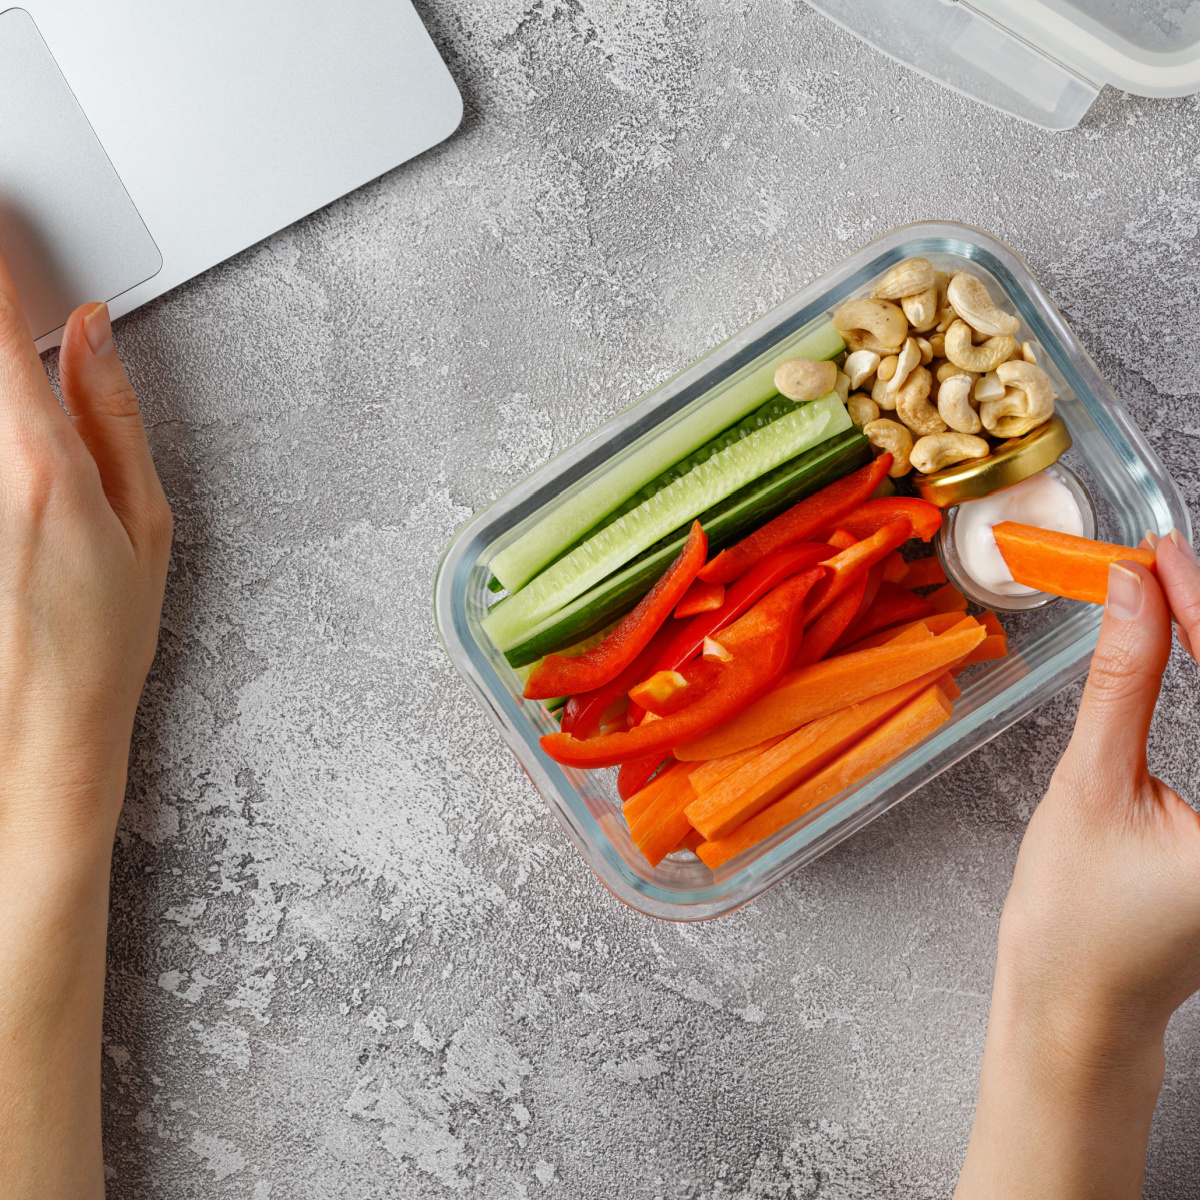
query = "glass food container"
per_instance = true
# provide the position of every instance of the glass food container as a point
(1049, 646)
(1041, 60)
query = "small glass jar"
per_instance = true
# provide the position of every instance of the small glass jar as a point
(947, 550)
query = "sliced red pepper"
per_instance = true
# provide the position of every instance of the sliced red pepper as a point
(635, 774)
(666, 692)
(874, 582)
(557, 675)
(849, 564)
(841, 539)
(895, 569)
(821, 510)
(582, 713)
(820, 637)
(893, 606)
(925, 518)
(700, 597)
(762, 643)
(739, 598)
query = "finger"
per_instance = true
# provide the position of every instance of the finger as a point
(105, 412)
(27, 401)
(1179, 575)
(1126, 674)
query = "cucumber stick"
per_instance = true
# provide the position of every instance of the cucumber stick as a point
(515, 565)
(702, 487)
(725, 523)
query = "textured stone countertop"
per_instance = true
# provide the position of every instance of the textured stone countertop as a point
(352, 955)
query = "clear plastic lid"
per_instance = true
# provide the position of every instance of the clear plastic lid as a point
(1041, 60)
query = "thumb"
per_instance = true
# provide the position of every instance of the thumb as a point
(1125, 677)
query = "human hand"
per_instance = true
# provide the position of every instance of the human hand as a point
(1100, 936)
(85, 535)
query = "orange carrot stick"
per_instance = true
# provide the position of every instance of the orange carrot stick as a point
(708, 774)
(947, 599)
(903, 730)
(762, 781)
(990, 648)
(691, 840)
(664, 824)
(938, 623)
(991, 623)
(1061, 564)
(924, 572)
(824, 687)
(895, 569)
(640, 801)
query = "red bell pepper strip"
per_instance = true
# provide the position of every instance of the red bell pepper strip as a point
(849, 564)
(739, 598)
(557, 675)
(762, 642)
(821, 510)
(635, 774)
(894, 605)
(895, 569)
(581, 716)
(840, 539)
(925, 518)
(700, 597)
(874, 582)
(666, 692)
(820, 637)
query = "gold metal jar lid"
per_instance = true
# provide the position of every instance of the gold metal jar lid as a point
(1009, 463)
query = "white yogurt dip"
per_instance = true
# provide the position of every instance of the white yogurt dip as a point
(1040, 500)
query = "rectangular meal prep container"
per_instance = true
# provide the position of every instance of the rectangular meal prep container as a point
(1049, 647)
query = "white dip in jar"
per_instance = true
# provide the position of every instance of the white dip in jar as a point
(1041, 500)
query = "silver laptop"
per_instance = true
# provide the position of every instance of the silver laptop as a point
(143, 141)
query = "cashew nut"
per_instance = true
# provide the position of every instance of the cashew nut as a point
(860, 365)
(969, 297)
(1007, 417)
(1028, 353)
(880, 318)
(954, 405)
(948, 370)
(913, 407)
(962, 352)
(887, 368)
(989, 387)
(937, 343)
(946, 318)
(1028, 400)
(936, 451)
(841, 385)
(926, 351)
(880, 394)
(909, 358)
(891, 435)
(805, 378)
(906, 278)
(921, 309)
(862, 409)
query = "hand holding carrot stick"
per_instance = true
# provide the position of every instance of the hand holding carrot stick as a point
(1100, 937)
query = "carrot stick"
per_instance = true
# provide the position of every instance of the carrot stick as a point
(924, 572)
(938, 623)
(895, 569)
(664, 824)
(991, 623)
(947, 598)
(708, 774)
(950, 689)
(640, 801)
(762, 781)
(1061, 564)
(893, 604)
(903, 730)
(691, 840)
(990, 648)
(824, 687)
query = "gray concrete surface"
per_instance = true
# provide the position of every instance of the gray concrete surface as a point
(351, 954)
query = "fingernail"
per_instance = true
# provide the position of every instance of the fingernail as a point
(1182, 545)
(1152, 539)
(98, 328)
(1125, 593)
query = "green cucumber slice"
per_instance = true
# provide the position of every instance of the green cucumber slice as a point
(702, 487)
(743, 392)
(724, 523)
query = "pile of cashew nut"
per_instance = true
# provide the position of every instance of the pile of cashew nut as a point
(934, 352)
